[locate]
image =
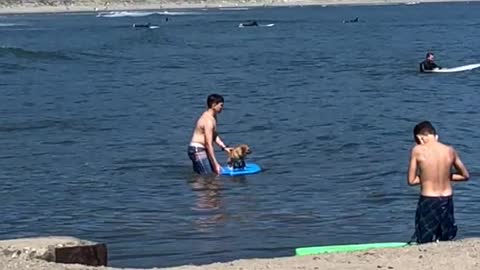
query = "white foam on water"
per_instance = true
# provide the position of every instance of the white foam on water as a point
(119, 14)
(8, 24)
(234, 8)
(179, 13)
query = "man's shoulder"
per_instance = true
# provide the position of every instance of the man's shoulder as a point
(446, 148)
(450, 148)
(416, 149)
(206, 118)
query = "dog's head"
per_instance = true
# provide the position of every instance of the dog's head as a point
(245, 149)
(241, 151)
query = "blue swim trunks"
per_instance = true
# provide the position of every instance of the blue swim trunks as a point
(434, 219)
(201, 163)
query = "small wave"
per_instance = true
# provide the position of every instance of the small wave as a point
(23, 53)
(83, 125)
(234, 8)
(7, 68)
(119, 14)
(8, 24)
(179, 13)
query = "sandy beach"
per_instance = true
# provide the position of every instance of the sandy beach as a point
(105, 6)
(460, 254)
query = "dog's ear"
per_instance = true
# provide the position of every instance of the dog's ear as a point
(246, 149)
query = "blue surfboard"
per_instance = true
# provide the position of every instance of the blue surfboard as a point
(250, 168)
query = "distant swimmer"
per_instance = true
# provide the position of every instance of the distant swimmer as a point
(351, 21)
(141, 25)
(429, 63)
(249, 23)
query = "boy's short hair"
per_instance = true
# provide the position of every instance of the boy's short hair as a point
(214, 99)
(423, 128)
(429, 54)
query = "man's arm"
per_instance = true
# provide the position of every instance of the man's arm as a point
(462, 172)
(220, 143)
(413, 178)
(209, 130)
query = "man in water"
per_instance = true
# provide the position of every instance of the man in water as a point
(200, 150)
(141, 25)
(434, 219)
(351, 21)
(250, 23)
(428, 64)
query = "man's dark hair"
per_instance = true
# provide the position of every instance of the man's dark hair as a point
(423, 128)
(214, 99)
(429, 54)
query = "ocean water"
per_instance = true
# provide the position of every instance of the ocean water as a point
(97, 116)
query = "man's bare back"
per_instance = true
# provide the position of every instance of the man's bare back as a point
(434, 161)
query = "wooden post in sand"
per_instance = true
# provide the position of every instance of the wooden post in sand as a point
(93, 255)
(59, 249)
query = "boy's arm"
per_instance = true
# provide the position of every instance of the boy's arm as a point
(413, 178)
(462, 172)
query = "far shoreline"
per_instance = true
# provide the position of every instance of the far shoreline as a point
(222, 5)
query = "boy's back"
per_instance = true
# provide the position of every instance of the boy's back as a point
(434, 161)
(434, 218)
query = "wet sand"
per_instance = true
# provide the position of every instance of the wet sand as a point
(461, 254)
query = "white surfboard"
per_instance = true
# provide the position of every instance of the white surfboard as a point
(259, 25)
(455, 69)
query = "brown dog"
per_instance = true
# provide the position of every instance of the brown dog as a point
(236, 157)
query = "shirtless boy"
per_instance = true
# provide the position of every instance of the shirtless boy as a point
(434, 219)
(201, 150)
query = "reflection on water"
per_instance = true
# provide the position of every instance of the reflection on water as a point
(208, 204)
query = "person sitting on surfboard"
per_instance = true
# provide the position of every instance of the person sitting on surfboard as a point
(141, 25)
(249, 23)
(351, 21)
(428, 63)
(200, 150)
(434, 219)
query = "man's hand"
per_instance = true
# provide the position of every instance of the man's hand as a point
(228, 149)
(217, 168)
